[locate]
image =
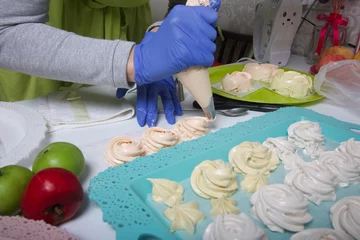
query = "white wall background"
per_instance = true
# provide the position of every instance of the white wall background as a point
(238, 16)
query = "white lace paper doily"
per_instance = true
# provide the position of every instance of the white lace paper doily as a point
(16, 228)
(21, 131)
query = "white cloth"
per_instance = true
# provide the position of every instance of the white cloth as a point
(84, 107)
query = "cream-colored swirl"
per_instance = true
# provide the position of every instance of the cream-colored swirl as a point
(260, 72)
(291, 84)
(223, 205)
(234, 227)
(280, 208)
(307, 135)
(343, 166)
(321, 234)
(345, 216)
(120, 150)
(237, 82)
(191, 127)
(184, 216)
(166, 191)
(253, 158)
(314, 181)
(281, 146)
(156, 138)
(252, 183)
(351, 147)
(213, 179)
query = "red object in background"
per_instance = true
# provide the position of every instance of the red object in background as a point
(216, 64)
(53, 195)
(328, 59)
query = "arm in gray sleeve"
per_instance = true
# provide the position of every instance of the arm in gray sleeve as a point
(30, 46)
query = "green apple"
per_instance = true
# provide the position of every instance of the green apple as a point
(60, 155)
(13, 181)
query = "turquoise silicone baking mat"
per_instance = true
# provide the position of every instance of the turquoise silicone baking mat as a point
(123, 193)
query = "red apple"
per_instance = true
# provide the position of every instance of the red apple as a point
(53, 195)
(328, 59)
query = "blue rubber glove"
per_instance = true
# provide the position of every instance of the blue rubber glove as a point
(147, 102)
(184, 39)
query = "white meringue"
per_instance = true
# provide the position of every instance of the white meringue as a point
(253, 158)
(156, 138)
(291, 84)
(213, 179)
(307, 135)
(120, 150)
(237, 82)
(191, 128)
(351, 147)
(345, 216)
(252, 183)
(321, 234)
(260, 72)
(281, 146)
(234, 227)
(343, 166)
(292, 161)
(166, 191)
(223, 206)
(184, 216)
(280, 208)
(314, 181)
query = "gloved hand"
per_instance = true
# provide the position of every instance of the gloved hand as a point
(184, 39)
(147, 102)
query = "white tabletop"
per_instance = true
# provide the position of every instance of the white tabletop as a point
(88, 224)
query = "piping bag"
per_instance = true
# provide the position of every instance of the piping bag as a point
(196, 79)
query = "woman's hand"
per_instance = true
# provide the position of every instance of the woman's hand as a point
(147, 102)
(185, 39)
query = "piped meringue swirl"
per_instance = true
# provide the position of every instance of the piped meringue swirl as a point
(237, 82)
(321, 234)
(351, 147)
(184, 216)
(281, 146)
(231, 227)
(191, 127)
(345, 216)
(252, 183)
(307, 135)
(223, 206)
(280, 208)
(342, 165)
(314, 181)
(213, 179)
(156, 138)
(253, 158)
(260, 72)
(291, 84)
(166, 191)
(123, 149)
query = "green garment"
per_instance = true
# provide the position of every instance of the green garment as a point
(104, 19)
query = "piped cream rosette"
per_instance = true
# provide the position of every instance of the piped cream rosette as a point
(123, 149)
(255, 161)
(156, 138)
(191, 128)
(213, 179)
(237, 82)
(291, 84)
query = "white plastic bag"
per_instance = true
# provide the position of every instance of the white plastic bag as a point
(340, 82)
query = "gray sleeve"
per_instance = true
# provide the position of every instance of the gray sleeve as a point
(156, 24)
(30, 46)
